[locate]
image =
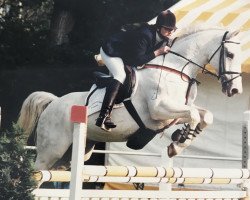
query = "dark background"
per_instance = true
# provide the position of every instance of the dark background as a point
(48, 45)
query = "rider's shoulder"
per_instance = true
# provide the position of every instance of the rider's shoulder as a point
(148, 31)
(134, 27)
(147, 28)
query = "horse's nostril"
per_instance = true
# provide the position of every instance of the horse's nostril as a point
(235, 91)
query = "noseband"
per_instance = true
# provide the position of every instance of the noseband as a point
(222, 70)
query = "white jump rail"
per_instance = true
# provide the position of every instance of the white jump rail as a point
(80, 173)
(79, 117)
(156, 154)
(246, 148)
(141, 195)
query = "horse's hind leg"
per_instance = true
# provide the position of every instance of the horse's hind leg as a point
(51, 146)
(61, 161)
(90, 145)
(46, 158)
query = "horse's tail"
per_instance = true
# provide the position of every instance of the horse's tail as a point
(32, 108)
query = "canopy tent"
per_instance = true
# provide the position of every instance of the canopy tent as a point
(233, 14)
(223, 137)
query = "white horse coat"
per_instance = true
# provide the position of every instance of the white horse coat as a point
(159, 98)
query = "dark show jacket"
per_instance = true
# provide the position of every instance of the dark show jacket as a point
(134, 47)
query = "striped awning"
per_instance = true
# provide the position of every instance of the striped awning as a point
(230, 13)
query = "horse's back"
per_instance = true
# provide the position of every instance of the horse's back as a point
(55, 120)
(67, 101)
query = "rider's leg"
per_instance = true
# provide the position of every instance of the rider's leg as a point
(104, 120)
(116, 68)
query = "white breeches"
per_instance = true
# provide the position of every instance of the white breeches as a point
(115, 65)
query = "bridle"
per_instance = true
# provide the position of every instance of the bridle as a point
(222, 70)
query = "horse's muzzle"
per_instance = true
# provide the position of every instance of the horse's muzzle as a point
(231, 87)
(234, 91)
(231, 91)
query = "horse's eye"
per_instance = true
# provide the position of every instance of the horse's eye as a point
(230, 55)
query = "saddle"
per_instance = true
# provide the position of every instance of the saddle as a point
(143, 135)
(102, 80)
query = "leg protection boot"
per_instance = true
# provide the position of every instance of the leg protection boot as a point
(104, 120)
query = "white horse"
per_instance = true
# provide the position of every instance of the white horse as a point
(163, 95)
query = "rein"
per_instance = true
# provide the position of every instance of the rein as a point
(164, 68)
(222, 70)
(190, 61)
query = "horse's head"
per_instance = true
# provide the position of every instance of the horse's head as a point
(227, 61)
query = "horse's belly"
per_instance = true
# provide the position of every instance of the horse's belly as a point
(126, 126)
(117, 134)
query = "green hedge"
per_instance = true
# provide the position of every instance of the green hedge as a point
(16, 166)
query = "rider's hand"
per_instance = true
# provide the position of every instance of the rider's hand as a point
(162, 50)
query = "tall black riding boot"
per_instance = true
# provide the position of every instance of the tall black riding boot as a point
(104, 120)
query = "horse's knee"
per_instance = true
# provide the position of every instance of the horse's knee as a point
(208, 118)
(195, 116)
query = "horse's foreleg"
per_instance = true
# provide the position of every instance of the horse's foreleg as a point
(171, 110)
(162, 110)
(206, 118)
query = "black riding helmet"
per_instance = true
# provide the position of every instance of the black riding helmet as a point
(166, 19)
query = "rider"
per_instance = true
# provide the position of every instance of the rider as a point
(133, 48)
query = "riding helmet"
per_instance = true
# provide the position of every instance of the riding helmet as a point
(166, 19)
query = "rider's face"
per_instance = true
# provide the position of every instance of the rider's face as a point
(166, 32)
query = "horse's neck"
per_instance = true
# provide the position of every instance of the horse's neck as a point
(193, 48)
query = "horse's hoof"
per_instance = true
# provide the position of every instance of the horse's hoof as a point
(176, 136)
(171, 151)
(186, 143)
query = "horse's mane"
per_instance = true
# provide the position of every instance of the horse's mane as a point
(195, 28)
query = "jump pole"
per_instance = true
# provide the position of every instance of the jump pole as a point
(79, 118)
(246, 149)
(165, 162)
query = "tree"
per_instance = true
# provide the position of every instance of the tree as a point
(65, 31)
(24, 27)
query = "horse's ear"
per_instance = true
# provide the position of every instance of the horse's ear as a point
(233, 34)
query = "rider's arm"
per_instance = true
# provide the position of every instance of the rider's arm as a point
(162, 50)
(141, 52)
